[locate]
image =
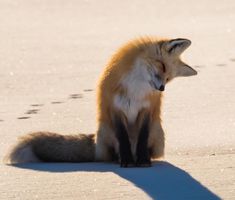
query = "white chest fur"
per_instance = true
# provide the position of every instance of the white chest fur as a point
(136, 82)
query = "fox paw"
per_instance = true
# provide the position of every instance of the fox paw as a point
(127, 162)
(143, 163)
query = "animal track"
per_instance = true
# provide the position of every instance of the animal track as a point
(57, 102)
(32, 111)
(221, 65)
(23, 117)
(88, 90)
(199, 66)
(232, 59)
(36, 105)
(75, 96)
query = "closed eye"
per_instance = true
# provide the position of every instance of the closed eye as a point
(163, 68)
(162, 65)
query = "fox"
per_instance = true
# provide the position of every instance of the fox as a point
(129, 98)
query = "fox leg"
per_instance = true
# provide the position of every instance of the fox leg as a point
(106, 144)
(142, 150)
(126, 158)
(102, 152)
(156, 140)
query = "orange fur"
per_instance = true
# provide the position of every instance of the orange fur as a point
(151, 50)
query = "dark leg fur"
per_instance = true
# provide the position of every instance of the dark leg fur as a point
(114, 155)
(142, 151)
(126, 158)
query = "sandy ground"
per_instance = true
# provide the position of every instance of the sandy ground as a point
(51, 54)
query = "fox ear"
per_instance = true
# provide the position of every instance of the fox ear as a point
(177, 46)
(186, 70)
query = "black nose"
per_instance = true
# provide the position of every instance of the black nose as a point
(162, 88)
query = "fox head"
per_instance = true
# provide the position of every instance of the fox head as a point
(162, 59)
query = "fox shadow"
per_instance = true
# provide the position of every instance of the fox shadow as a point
(161, 181)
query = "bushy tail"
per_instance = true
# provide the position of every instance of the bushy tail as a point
(52, 147)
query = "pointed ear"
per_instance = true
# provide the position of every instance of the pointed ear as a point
(186, 70)
(177, 46)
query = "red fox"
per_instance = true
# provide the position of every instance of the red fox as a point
(128, 110)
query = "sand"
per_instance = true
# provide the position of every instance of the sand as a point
(51, 55)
